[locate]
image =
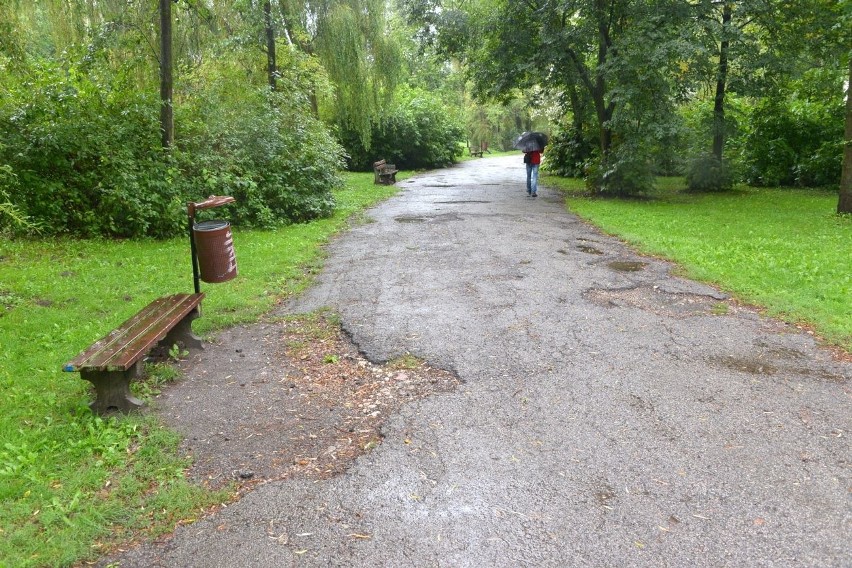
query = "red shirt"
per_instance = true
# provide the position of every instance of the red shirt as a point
(535, 157)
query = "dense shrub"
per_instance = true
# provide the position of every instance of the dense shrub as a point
(265, 149)
(567, 154)
(416, 132)
(11, 218)
(87, 158)
(85, 149)
(794, 143)
(627, 171)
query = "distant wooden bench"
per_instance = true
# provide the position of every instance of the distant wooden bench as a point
(385, 173)
(478, 152)
(112, 362)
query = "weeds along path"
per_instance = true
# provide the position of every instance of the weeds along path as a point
(609, 413)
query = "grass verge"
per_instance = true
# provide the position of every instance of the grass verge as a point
(73, 484)
(782, 249)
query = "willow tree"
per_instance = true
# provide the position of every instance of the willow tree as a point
(361, 59)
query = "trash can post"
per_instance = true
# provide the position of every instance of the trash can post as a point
(196, 281)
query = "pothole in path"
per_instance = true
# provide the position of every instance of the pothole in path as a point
(759, 365)
(589, 250)
(441, 218)
(626, 265)
(655, 300)
(751, 365)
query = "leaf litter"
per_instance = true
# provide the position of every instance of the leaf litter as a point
(286, 398)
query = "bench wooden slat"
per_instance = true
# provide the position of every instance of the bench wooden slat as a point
(121, 348)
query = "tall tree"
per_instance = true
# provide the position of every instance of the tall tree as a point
(844, 203)
(271, 65)
(167, 125)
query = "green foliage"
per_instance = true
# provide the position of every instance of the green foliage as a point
(84, 144)
(86, 152)
(568, 153)
(362, 61)
(707, 173)
(263, 148)
(11, 218)
(627, 172)
(794, 142)
(415, 132)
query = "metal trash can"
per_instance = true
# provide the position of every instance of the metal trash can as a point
(217, 260)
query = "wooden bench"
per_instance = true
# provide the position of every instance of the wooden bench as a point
(385, 173)
(113, 361)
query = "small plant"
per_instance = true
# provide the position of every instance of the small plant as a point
(330, 359)
(156, 376)
(720, 309)
(176, 352)
(407, 361)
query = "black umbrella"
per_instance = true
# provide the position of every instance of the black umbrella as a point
(531, 142)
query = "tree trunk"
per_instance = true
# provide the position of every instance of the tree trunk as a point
(721, 82)
(272, 67)
(167, 125)
(844, 204)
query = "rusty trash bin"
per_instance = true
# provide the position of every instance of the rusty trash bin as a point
(214, 243)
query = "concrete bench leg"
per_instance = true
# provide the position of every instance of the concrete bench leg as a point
(113, 391)
(182, 333)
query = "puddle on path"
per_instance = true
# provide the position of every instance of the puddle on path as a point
(627, 265)
(441, 218)
(461, 201)
(589, 250)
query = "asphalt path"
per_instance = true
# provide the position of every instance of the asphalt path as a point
(610, 414)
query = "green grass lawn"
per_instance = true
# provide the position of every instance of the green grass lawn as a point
(782, 249)
(71, 483)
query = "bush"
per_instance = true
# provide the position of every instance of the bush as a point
(11, 218)
(87, 153)
(707, 173)
(626, 172)
(794, 143)
(278, 161)
(87, 157)
(567, 154)
(415, 133)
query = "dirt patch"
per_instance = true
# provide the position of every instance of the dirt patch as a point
(292, 397)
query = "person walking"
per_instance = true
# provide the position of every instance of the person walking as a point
(532, 160)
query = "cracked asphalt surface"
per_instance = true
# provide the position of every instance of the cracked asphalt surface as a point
(610, 413)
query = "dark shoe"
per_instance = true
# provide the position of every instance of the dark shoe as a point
(534, 194)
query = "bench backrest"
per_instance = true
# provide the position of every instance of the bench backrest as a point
(380, 164)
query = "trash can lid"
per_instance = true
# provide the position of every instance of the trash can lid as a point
(213, 225)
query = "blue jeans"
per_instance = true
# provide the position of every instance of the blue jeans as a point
(532, 178)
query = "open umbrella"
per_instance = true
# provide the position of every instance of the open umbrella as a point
(531, 142)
